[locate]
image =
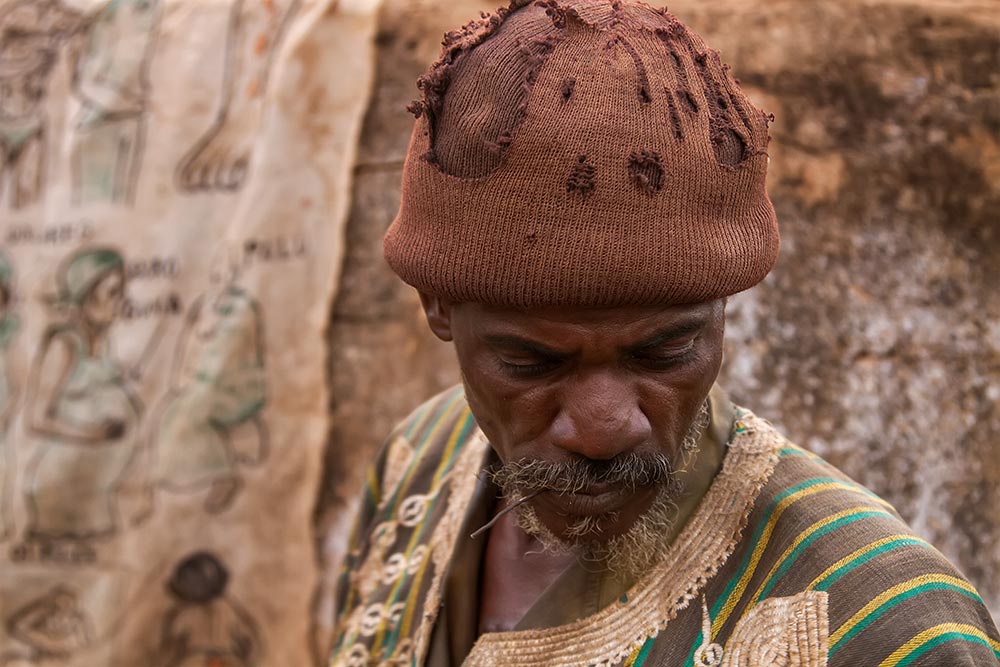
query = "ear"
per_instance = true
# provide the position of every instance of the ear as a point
(438, 312)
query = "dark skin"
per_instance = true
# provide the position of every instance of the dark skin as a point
(557, 384)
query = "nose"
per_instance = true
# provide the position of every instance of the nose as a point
(599, 418)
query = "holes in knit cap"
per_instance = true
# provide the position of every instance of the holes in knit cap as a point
(568, 85)
(729, 146)
(646, 169)
(581, 180)
(675, 119)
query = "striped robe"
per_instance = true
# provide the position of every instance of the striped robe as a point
(785, 562)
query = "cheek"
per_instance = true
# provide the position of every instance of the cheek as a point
(509, 413)
(672, 401)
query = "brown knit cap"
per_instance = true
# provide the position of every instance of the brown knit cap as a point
(583, 152)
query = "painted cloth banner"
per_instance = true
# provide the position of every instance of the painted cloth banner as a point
(174, 180)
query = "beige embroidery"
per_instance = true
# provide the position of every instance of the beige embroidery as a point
(779, 632)
(413, 510)
(446, 534)
(397, 462)
(709, 654)
(366, 577)
(376, 569)
(609, 636)
(357, 657)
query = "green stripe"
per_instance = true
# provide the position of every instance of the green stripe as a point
(392, 637)
(798, 451)
(892, 602)
(757, 533)
(833, 577)
(428, 417)
(444, 410)
(948, 636)
(644, 653)
(755, 538)
(440, 409)
(447, 409)
(806, 543)
(418, 418)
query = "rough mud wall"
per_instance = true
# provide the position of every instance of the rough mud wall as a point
(875, 341)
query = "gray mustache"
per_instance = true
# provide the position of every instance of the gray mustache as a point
(629, 471)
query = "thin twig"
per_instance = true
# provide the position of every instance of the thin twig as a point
(500, 514)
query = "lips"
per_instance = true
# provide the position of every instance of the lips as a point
(591, 501)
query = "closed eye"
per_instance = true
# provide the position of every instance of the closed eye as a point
(664, 357)
(529, 368)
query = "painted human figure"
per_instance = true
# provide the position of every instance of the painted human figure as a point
(111, 81)
(31, 33)
(81, 408)
(205, 627)
(220, 159)
(218, 393)
(9, 323)
(53, 627)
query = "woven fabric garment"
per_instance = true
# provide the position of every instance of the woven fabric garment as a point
(583, 152)
(785, 562)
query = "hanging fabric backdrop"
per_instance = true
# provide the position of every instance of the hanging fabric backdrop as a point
(174, 177)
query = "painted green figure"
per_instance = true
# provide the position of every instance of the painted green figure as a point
(9, 323)
(219, 388)
(112, 83)
(80, 406)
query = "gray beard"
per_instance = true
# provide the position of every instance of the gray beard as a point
(632, 553)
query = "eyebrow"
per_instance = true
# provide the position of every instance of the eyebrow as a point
(533, 347)
(523, 345)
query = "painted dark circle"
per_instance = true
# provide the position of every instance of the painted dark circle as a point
(199, 578)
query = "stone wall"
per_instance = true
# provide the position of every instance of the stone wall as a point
(876, 340)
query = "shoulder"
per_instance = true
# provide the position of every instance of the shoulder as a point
(61, 338)
(426, 421)
(424, 444)
(62, 332)
(891, 597)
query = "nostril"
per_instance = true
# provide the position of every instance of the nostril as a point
(600, 434)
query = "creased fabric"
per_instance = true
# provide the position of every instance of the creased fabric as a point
(174, 181)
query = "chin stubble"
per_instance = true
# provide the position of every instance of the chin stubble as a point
(634, 551)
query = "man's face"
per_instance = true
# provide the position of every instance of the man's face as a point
(586, 387)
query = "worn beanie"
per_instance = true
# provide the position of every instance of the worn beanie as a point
(583, 153)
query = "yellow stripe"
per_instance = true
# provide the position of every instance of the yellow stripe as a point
(414, 465)
(373, 485)
(452, 444)
(804, 535)
(898, 589)
(806, 453)
(418, 578)
(863, 551)
(414, 538)
(758, 552)
(927, 635)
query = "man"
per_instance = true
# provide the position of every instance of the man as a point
(583, 190)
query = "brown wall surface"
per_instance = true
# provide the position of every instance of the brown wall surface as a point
(876, 340)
